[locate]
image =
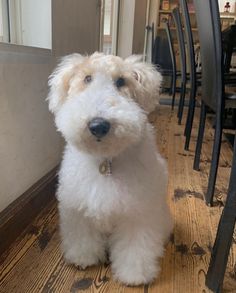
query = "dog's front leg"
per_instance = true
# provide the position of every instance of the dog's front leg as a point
(135, 249)
(82, 244)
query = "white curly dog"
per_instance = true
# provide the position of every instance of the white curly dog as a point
(112, 181)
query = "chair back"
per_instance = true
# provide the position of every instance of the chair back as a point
(180, 38)
(209, 31)
(171, 46)
(189, 40)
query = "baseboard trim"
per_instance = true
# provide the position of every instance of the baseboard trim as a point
(21, 212)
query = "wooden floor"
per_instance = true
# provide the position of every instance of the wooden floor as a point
(34, 263)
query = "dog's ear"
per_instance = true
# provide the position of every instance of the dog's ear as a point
(59, 80)
(148, 82)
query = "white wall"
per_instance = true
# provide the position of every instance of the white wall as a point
(29, 144)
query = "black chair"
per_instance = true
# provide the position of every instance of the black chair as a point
(195, 77)
(223, 241)
(173, 60)
(213, 93)
(180, 38)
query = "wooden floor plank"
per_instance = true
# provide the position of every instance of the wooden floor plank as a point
(40, 258)
(20, 247)
(35, 263)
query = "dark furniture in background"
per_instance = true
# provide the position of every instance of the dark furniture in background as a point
(161, 57)
(192, 77)
(216, 52)
(229, 44)
(213, 92)
(215, 97)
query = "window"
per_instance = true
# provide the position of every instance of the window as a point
(26, 22)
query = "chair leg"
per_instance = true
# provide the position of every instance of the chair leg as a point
(171, 85)
(173, 91)
(201, 129)
(189, 123)
(215, 160)
(180, 98)
(181, 102)
(219, 257)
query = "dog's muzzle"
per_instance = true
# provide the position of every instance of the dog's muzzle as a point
(99, 127)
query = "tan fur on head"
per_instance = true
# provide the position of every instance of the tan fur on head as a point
(147, 91)
(59, 81)
(142, 79)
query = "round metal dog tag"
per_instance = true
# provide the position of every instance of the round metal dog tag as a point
(105, 167)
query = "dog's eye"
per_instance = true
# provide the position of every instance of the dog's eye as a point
(120, 82)
(88, 79)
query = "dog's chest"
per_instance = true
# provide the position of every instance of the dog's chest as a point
(102, 190)
(105, 225)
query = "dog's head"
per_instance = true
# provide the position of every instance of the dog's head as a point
(101, 101)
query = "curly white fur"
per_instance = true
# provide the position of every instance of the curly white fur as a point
(125, 213)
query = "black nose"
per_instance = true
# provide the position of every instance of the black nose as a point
(99, 127)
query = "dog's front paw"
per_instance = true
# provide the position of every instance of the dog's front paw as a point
(83, 259)
(135, 272)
